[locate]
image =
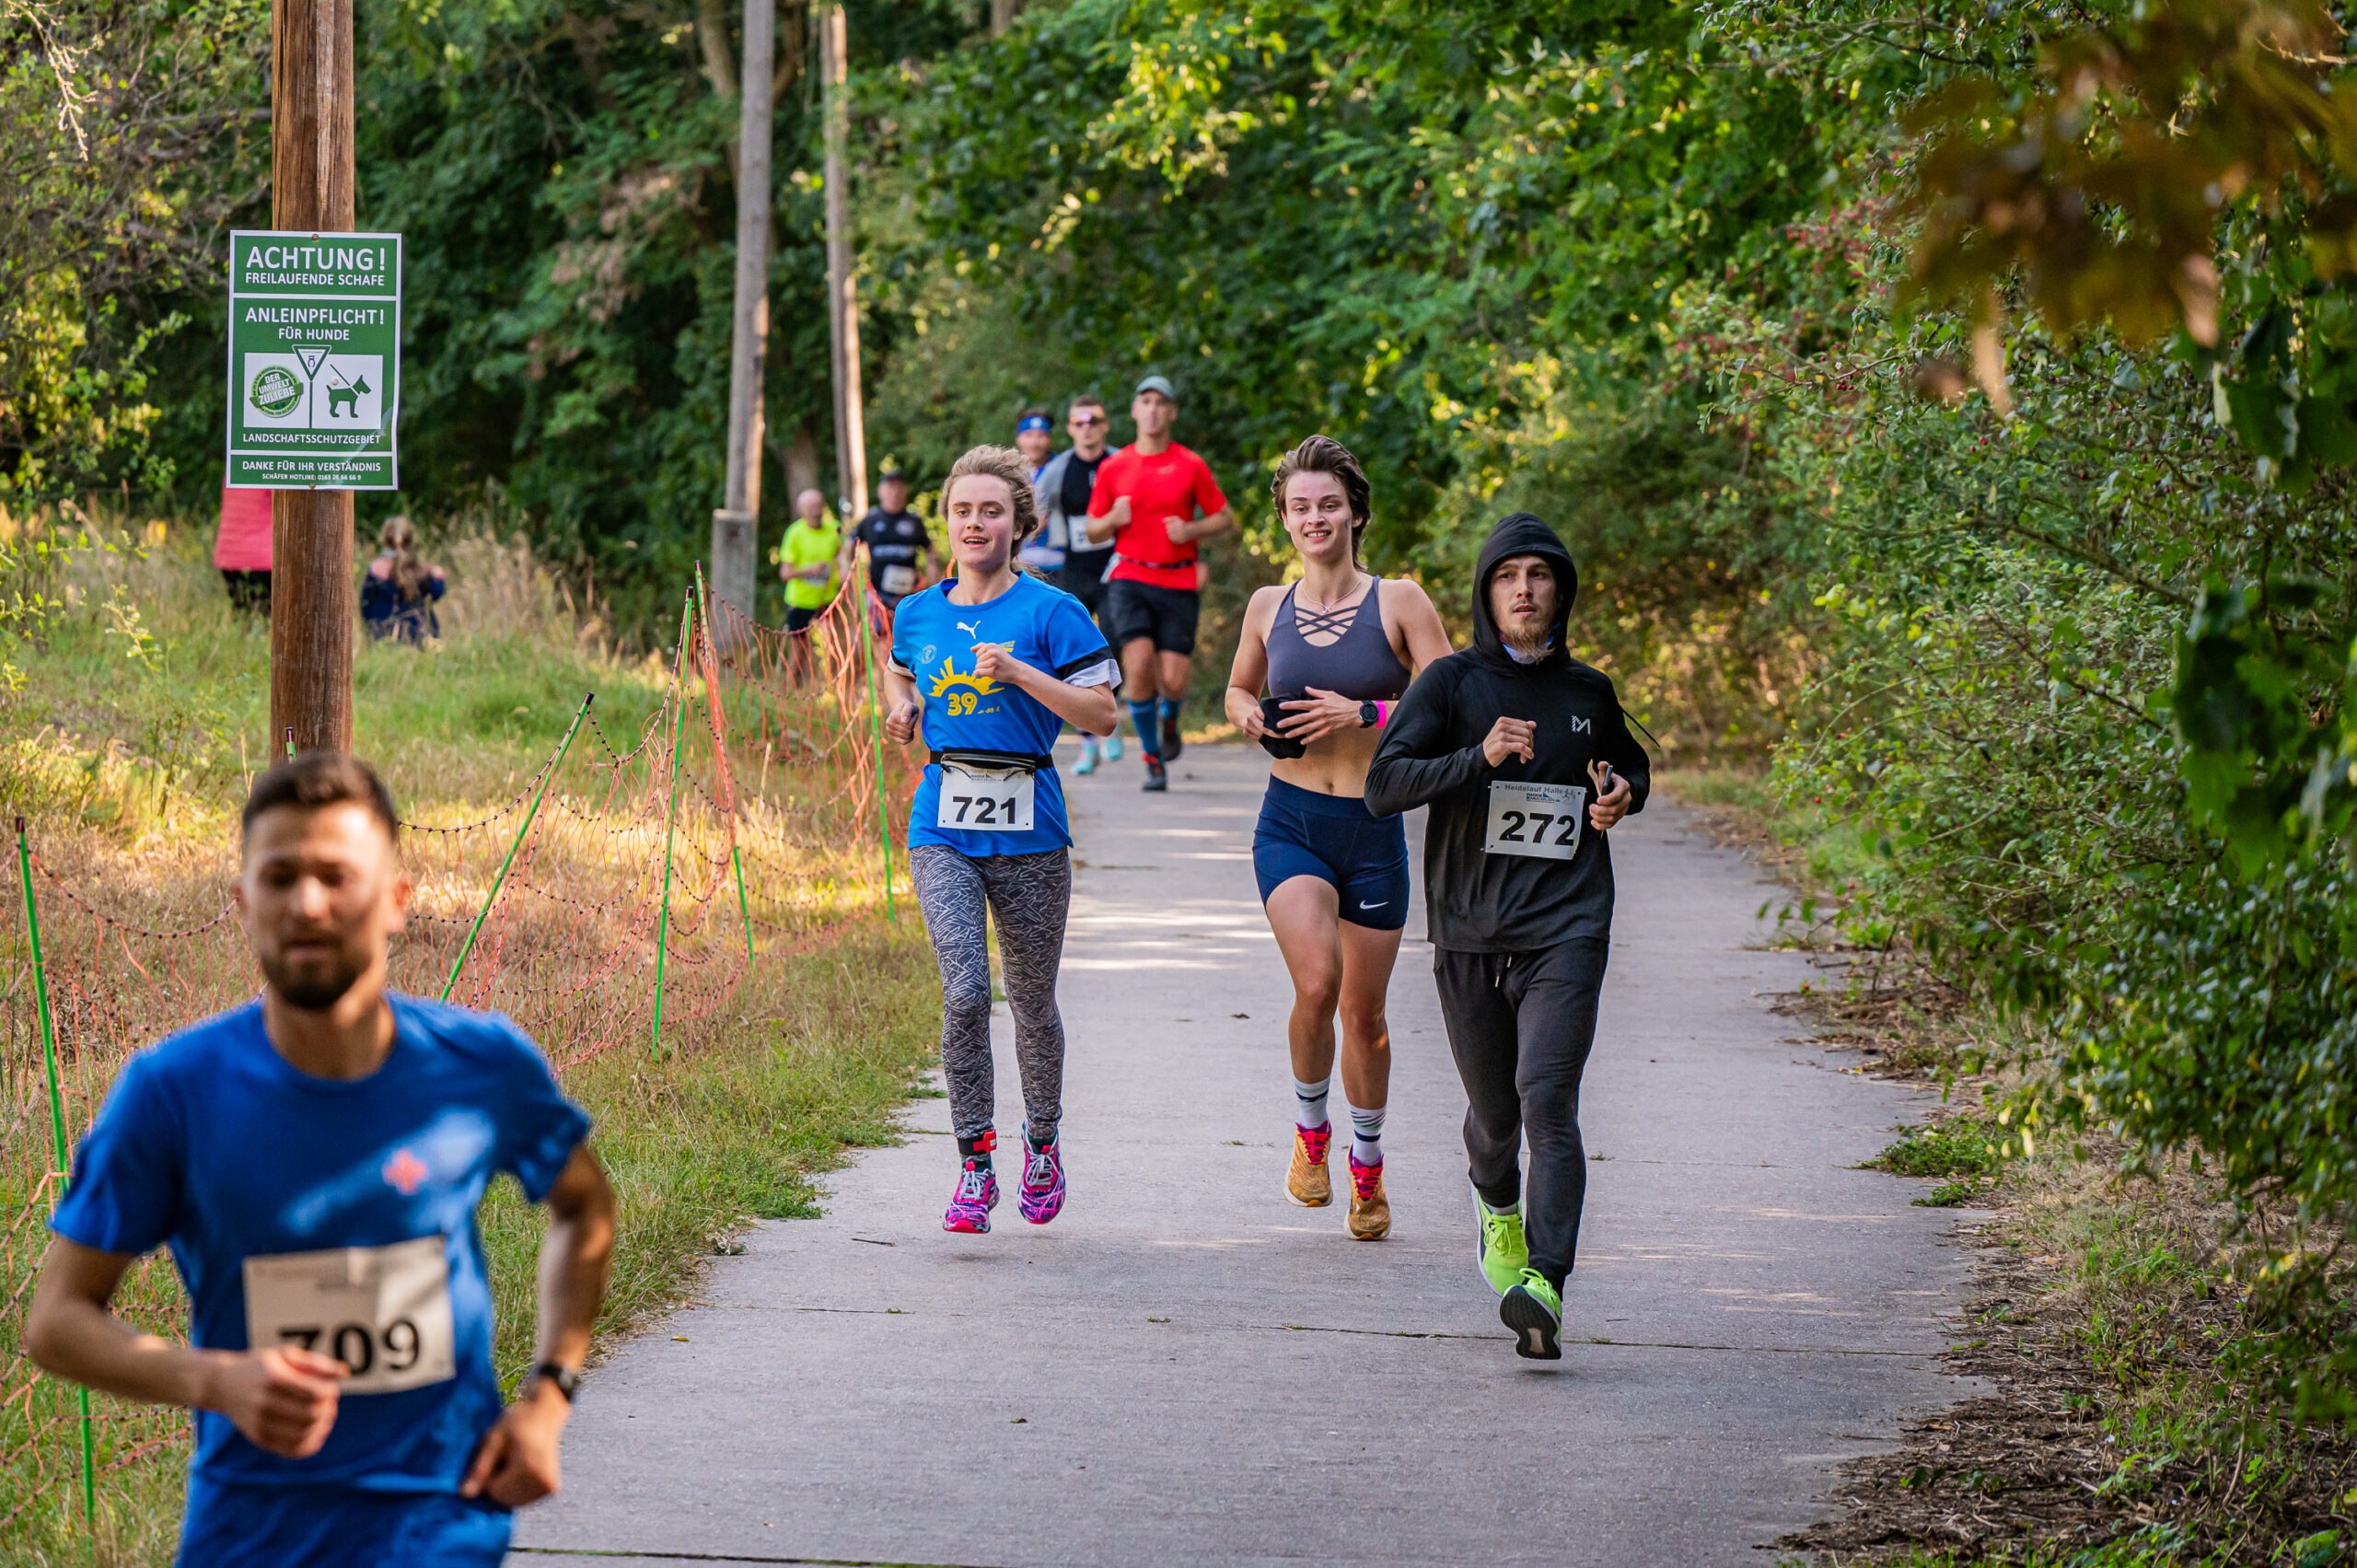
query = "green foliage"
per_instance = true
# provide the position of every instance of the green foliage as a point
(1445, 247)
(2270, 745)
(125, 127)
(2102, 179)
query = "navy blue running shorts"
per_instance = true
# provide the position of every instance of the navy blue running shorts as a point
(1333, 838)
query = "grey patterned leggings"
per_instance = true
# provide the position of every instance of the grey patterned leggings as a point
(1029, 895)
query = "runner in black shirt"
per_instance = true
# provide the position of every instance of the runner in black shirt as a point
(1524, 756)
(1062, 490)
(901, 557)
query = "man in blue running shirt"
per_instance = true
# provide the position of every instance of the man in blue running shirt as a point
(314, 1160)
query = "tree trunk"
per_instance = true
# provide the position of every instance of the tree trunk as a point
(793, 49)
(735, 524)
(711, 37)
(1003, 15)
(313, 602)
(842, 305)
(799, 457)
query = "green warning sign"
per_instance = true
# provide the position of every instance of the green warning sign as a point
(315, 343)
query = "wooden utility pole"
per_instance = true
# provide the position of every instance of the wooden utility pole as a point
(842, 305)
(313, 603)
(734, 526)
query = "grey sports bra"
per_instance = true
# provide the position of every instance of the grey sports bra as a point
(1359, 664)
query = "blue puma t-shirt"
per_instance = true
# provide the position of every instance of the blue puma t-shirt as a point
(935, 642)
(214, 1145)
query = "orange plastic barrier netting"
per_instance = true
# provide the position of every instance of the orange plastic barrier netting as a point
(615, 902)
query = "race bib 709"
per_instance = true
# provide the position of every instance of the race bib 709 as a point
(382, 1311)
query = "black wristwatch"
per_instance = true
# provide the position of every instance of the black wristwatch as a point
(562, 1378)
(1369, 715)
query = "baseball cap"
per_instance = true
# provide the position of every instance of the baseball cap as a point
(1156, 384)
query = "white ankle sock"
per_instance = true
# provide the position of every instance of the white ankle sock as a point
(1309, 1104)
(1366, 1136)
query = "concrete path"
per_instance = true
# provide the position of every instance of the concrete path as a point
(1183, 1370)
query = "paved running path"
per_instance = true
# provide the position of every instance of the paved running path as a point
(1183, 1370)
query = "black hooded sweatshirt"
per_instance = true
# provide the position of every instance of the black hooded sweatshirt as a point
(1477, 901)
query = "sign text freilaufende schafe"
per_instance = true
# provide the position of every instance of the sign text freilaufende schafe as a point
(315, 335)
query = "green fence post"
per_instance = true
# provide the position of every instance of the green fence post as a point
(671, 823)
(500, 881)
(875, 739)
(56, 1134)
(712, 712)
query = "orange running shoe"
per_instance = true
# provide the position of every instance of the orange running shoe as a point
(1307, 1185)
(1370, 1210)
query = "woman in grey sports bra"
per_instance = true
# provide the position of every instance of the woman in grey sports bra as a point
(1333, 651)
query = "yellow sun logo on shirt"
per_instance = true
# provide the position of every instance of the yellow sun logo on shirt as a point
(946, 685)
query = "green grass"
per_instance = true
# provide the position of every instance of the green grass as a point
(148, 664)
(1961, 1147)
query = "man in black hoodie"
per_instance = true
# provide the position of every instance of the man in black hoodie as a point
(1524, 757)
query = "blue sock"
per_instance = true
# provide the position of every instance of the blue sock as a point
(1149, 734)
(1309, 1104)
(1366, 1136)
(1169, 711)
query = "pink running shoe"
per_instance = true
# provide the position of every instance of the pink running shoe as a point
(971, 1206)
(1041, 1195)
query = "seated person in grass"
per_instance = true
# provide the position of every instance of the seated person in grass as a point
(396, 596)
(314, 1160)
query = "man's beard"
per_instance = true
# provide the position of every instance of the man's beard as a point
(312, 987)
(1532, 642)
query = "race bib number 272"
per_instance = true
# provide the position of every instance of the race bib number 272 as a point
(382, 1311)
(1540, 821)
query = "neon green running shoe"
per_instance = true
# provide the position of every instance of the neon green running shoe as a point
(1534, 1310)
(1503, 1252)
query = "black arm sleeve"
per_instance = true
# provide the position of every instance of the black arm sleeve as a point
(1415, 764)
(1628, 758)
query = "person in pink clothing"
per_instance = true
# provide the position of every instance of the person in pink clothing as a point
(241, 550)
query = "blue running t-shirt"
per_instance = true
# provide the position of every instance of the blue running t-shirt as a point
(934, 643)
(215, 1145)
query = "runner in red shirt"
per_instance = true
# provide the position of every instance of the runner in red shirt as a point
(241, 550)
(1153, 500)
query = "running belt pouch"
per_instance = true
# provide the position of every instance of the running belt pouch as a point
(1022, 762)
(1273, 713)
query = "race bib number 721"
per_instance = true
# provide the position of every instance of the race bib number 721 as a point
(1541, 820)
(382, 1311)
(994, 801)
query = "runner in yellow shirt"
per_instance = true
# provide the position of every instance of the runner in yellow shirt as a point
(806, 560)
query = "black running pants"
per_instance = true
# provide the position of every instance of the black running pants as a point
(1520, 1025)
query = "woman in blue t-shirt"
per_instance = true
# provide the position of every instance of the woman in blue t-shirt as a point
(991, 663)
